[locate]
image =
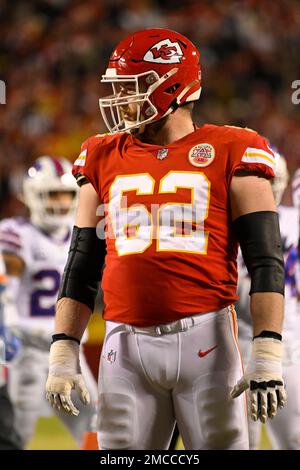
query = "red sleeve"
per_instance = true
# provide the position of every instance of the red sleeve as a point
(85, 168)
(253, 154)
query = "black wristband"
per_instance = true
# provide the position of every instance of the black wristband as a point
(269, 334)
(59, 336)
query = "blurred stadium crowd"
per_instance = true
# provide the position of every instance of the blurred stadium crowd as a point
(52, 53)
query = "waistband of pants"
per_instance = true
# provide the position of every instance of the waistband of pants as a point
(177, 326)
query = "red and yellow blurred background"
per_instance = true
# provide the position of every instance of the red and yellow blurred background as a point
(53, 52)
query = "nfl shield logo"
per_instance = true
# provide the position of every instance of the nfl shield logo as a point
(162, 153)
(111, 356)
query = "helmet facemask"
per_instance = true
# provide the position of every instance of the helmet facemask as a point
(48, 213)
(59, 207)
(130, 106)
(51, 198)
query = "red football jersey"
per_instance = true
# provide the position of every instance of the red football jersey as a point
(171, 251)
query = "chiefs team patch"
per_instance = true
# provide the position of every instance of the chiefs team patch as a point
(202, 155)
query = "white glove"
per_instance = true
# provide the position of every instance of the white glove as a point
(65, 375)
(264, 377)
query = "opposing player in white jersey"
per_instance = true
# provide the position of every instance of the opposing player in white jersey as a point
(295, 188)
(284, 430)
(9, 347)
(35, 251)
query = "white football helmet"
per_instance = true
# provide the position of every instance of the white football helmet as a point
(46, 180)
(281, 179)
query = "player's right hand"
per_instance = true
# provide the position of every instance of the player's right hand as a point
(64, 376)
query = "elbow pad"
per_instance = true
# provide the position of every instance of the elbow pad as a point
(259, 236)
(82, 273)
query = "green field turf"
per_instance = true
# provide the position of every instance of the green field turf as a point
(50, 434)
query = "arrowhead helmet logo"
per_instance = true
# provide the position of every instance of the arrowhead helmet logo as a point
(164, 52)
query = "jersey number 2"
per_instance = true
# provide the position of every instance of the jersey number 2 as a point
(44, 297)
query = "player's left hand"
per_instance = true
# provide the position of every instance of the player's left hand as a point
(65, 375)
(263, 377)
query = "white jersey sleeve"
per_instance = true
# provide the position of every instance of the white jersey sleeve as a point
(13, 238)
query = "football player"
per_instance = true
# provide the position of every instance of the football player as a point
(284, 431)
(9, 347)
(296, 202)
(35, 251)
(296, 188)
(176, 197)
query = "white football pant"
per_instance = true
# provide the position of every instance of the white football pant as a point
(183, 371)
